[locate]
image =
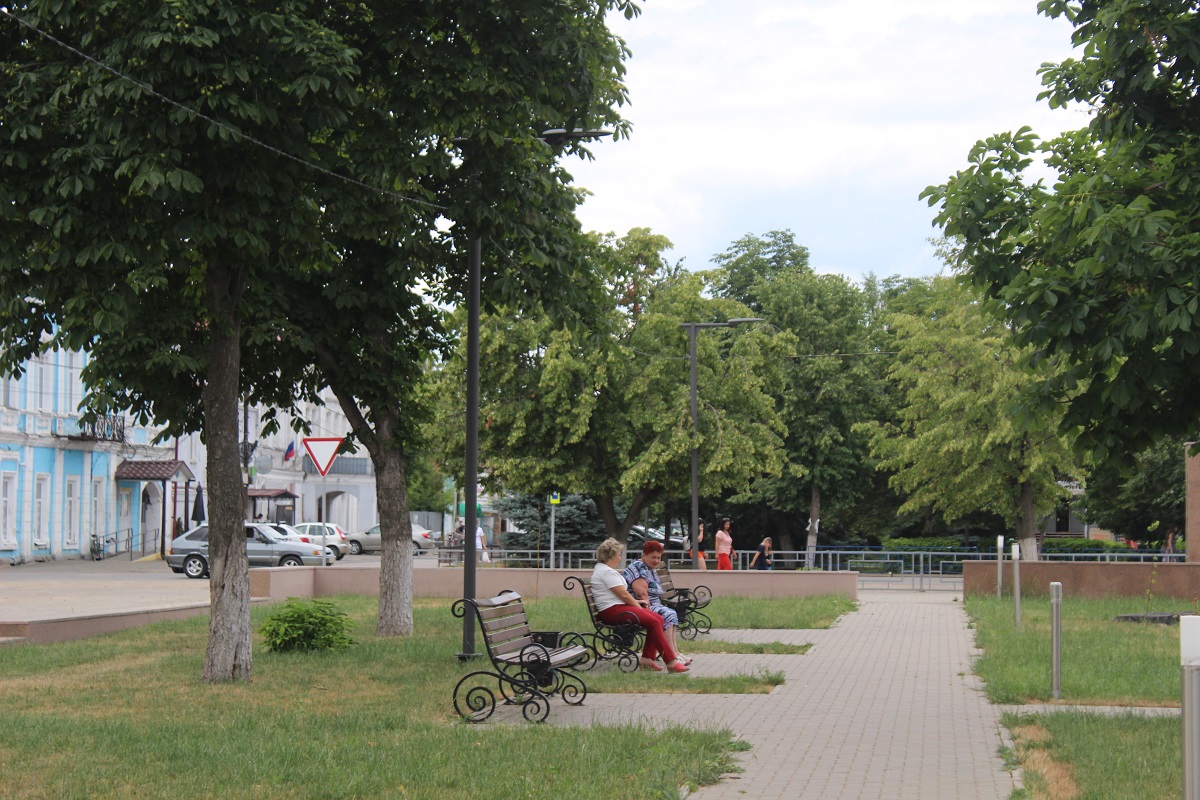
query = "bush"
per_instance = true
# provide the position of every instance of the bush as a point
(306, 625)
(923, 543)
(1082, 546)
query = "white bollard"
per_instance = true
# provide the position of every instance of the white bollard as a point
(1189, 659)
(1016, 559)
(999, 567)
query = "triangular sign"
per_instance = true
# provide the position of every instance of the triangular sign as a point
(322, 451)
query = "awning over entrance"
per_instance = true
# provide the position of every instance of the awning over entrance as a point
(154, 471)
(272, 494)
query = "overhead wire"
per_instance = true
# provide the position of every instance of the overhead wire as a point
(213, 121)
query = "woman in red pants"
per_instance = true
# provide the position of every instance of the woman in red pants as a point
(613, 602)
(725, 545)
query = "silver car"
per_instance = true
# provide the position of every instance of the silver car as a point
(335, 539)
(371, 539)
(265, 547)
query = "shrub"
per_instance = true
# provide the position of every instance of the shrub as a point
(923, 543)
(1082, 546)
(306, 625)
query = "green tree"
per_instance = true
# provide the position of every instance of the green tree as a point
(151, 234)
(577, 523)
(1099, 272)
(956, 447)
(1144, 503)
(830, 384)
(604, 411)
(146, 221)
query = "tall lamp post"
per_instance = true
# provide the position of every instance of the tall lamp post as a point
(553, 138)
(692, 327)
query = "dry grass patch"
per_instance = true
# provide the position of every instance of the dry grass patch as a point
(1045, 777)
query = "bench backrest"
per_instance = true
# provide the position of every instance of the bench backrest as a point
(505, 626)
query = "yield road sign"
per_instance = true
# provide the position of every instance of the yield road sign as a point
(322, 451)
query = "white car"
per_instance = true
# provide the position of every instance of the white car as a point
(371, 540)
(335, 537)
(265, 547)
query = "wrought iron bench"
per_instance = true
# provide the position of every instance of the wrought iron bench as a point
(527, 671)
(619, 642)
(687, 604)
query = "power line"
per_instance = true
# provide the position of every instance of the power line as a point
(223, 126)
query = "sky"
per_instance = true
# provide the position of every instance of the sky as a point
(823, 117)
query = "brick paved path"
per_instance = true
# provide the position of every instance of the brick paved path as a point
(882, 706)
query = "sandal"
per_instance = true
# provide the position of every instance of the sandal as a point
(646, 663)
(678, 667)
(687, 660)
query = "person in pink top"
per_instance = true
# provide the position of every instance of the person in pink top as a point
(725, 545)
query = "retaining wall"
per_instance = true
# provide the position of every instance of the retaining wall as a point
(1089, 579)
(280, 583)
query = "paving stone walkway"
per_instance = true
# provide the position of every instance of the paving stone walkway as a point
(883, 706)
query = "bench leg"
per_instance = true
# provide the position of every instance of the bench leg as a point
(475, 701)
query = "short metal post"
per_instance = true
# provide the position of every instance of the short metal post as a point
(1056, 640)
(1016, 559)
(1189, 659)
(999, 567)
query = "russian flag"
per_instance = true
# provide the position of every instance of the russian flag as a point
(290, 453)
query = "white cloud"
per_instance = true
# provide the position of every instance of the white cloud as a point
(790, 111)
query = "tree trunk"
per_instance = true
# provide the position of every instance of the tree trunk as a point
(606, 506)
(1027, 535)
(814, 522)
(783, 535)
(228, 655)
(396, 568)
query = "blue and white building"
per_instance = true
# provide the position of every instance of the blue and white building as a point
(64, 484)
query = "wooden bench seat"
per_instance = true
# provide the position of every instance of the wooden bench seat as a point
(527, 672)
(688, 604)
(620, 642)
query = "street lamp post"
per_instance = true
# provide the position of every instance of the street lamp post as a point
(553, 138)
(692, 327)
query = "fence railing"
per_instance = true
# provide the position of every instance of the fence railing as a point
(866, 561)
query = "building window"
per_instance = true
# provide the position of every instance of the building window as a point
(8, 510)
(41, 510)
(71, 502)
(98, 521)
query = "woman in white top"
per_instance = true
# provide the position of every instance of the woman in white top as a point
(613, 602)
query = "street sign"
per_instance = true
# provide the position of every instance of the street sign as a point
(554, 498)
(322, 451)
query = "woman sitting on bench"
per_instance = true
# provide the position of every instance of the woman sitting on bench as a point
(614, 603)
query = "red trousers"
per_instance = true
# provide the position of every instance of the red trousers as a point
(656, 640)
(724, 561)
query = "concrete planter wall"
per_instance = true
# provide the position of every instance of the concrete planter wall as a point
(280, 583)
(1088, 579)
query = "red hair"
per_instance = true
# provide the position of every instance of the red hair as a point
(651, 547)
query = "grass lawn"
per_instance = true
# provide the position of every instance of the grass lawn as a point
(127, 716)
(1104, 662)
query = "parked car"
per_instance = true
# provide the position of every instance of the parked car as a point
(638, 535)
(371, 540)
(265, 547)
(335, 537)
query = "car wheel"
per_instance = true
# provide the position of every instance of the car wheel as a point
(194, 567)
(290, 561)
(355, 549)
(338, 552)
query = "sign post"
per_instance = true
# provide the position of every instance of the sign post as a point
(554, 500)
(323, 452)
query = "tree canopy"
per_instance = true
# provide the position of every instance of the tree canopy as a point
(1099, 272)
